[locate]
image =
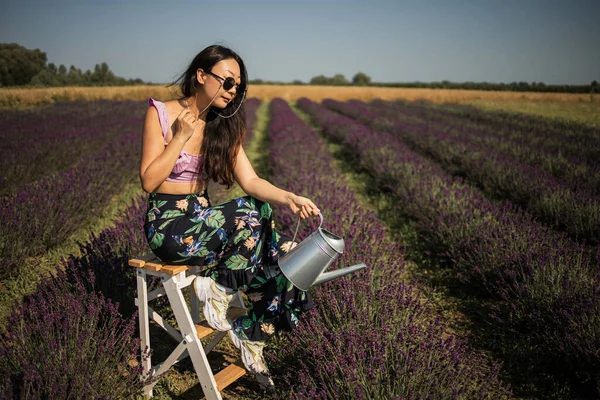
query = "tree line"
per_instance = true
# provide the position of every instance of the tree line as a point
(20, 66)
(25, 67)
(362, 79)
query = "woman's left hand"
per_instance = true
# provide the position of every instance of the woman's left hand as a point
(303, 207)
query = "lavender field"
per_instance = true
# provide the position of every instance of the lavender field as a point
(480, 231)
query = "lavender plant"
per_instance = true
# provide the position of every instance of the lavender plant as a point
(569, 137)
(501, 176)
(543, 284)
(40, 142)
(41, 215)
(526, 143)
(371, 335)
(65, 342)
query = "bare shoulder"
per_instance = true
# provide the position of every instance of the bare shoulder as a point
(174, 108)
(174, 105)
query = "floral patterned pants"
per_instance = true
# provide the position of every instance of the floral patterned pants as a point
(234, 240)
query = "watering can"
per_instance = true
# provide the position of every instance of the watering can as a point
(305, 264)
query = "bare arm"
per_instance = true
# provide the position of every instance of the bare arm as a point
(157, 160)
(263, 190)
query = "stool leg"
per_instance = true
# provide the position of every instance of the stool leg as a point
(188, 331)
(194, 301)
(142, 291)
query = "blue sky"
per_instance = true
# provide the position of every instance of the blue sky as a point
(553, 41)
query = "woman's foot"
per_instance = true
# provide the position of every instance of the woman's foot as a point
(216, 302)
(252, 357)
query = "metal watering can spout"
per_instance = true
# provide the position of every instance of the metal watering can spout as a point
(331, 275)
(306, 263)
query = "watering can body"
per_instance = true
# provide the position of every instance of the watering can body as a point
(305, 264)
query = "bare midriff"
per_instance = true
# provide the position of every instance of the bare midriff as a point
(180, 188)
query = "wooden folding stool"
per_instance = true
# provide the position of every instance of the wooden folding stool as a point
(174, 278)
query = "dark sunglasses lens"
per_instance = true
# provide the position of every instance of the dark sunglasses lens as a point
(229, 83)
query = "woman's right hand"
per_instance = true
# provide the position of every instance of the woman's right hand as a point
(303, 207)
(185, 125)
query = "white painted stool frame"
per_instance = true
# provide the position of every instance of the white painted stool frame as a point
(174, 278)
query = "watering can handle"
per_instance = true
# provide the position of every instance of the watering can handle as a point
(298, 226)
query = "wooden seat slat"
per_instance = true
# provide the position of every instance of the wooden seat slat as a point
(139, 262)
(228, 375)
(173, 269)
(151, 262)
(203, 330)
(152, 266)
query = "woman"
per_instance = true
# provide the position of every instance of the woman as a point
(188, 141)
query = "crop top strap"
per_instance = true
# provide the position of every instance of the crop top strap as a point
(163, 117)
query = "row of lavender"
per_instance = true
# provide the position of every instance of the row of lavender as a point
(75, 336)
(575, 140)
(40, 142)
(41, 215)
(371, 336)
(501, 176)
(569, 155)
(545, 320)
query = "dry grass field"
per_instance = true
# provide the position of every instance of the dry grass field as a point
(288, 92)
(563, 105)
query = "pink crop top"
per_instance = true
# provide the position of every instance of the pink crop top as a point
(187, 165)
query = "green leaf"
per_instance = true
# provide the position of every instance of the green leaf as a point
(247, 323)
(157, 240)
(203, 236)
(164, 224)
(172, 214)
(202, 251)
(258, 247)
(236, 262)
(215, 219)
(281, 282)
(266, 211)
(242, 236)
(260, 279)
(196, 228)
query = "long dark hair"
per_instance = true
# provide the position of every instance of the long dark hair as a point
(222, 136)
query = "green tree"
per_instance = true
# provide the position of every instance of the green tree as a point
(18, 64)
(52, 69)
(102, 75)
(75, 77)
(361, 79)
(45, 78)
(62, 74)
(339, 80)
(319, 80)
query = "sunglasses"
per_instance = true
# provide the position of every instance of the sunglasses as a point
(228, 82)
